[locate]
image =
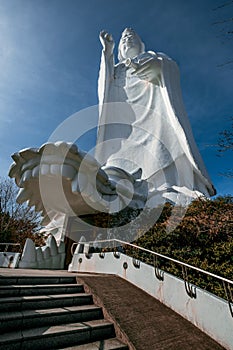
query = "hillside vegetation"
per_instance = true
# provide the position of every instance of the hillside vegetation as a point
(203, 238)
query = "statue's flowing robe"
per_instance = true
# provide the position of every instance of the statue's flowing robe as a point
(144, 124)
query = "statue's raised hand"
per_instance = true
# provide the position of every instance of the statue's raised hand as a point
(107, 42)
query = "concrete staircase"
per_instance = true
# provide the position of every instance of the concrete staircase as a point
(40, 312)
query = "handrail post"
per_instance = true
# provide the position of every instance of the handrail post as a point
(229, 297)
(158, 272)
(190, 289)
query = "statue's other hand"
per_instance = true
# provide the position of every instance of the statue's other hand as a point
(149, 71)
(107, 42)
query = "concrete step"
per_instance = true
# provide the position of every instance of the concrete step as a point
(57, 337)
(51, 312)
(43, 317)
(22, 280)
(44, 301)
(38, 289)
(106, 344)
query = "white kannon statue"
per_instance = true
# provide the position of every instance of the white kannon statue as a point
(145, 152)
(141, 94)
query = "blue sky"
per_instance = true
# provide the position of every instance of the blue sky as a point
(49, 59)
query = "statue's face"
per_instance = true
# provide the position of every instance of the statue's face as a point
(130, 44)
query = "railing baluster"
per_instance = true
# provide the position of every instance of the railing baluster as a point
(228, 292)
(102, 255)
(190, 289)
(158, 272)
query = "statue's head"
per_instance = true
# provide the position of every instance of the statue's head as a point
(130, 45)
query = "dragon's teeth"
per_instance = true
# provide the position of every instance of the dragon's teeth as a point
(31, 201)
(46, 220)
(39, 206)
(36, 171)
(68, 171)
(44, 169)
(82, 181)
(23, 195)
(75, 185)
(25, 177)
(55, 169)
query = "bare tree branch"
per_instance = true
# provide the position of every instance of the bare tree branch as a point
(223, 5)
(223, 21)
(14, 217)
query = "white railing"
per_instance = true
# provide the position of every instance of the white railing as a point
(114, 244)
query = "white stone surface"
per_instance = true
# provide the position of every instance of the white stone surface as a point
(49, 256)
(9, 259)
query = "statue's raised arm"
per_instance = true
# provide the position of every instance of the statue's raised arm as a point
(107, 42)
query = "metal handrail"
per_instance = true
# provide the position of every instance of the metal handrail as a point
(190, 288)
(161, 256)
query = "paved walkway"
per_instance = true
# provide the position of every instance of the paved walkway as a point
(147, 324)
